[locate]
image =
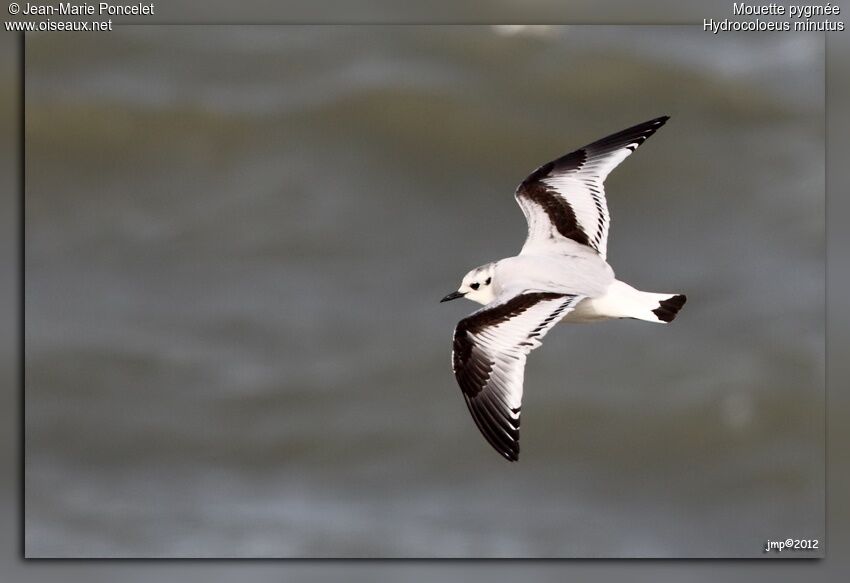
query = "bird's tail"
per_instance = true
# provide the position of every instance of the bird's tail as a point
(665, 307)
(624, 301)
(659, 308)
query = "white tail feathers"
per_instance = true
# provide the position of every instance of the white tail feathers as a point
(624, 301)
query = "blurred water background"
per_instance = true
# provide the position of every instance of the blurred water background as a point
(237, 238)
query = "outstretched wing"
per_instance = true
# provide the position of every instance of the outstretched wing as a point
(489, 352)
(566, 199)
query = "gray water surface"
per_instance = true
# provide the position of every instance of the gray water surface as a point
(237, 237)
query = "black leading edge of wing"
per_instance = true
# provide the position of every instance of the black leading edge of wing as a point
(490, 349)
(589, 166)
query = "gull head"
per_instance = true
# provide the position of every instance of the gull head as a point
(477, 285)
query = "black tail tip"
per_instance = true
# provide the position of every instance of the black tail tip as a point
(667, 309)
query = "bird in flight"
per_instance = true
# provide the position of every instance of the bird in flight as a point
(560, 274)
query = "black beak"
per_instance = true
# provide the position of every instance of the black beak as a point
(452, 296)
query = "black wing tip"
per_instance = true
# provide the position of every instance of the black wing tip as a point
(501, 438)
(631, 137)
(509, 453)
(654, 124)
(651, 126)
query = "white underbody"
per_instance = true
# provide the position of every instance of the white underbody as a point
(571, 269)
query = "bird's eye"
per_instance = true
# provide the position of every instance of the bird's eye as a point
(488, 281)
(474, 286)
